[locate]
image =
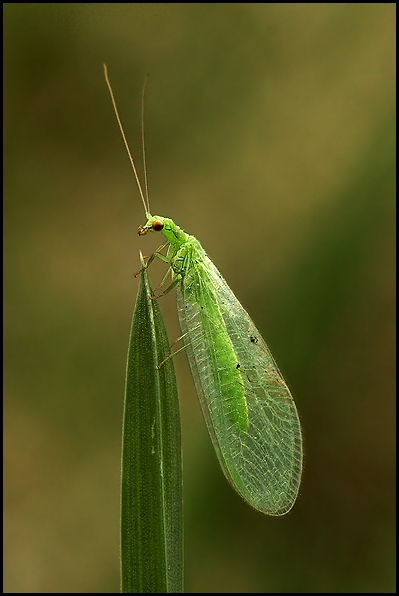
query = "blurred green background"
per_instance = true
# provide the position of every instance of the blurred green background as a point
(270, 137)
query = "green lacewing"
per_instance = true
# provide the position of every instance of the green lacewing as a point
(248, 409)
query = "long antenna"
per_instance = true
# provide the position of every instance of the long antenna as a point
(143, 141)
(146, 207)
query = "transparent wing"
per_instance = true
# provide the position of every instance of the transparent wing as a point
(264, 463)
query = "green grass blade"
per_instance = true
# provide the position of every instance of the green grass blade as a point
(151, 486)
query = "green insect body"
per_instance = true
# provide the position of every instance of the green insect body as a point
(249, 411)
(248, 408)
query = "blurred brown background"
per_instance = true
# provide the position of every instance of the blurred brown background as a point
(270, 137)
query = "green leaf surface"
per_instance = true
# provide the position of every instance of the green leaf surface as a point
(151, 490)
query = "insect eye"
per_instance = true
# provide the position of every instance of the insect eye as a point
(157, 226)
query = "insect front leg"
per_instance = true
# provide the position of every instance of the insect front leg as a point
(156, 254)
(179, 263)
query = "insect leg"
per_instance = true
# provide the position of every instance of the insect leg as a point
(174, 283)
(177, 351)
(170, 356)
(156, 254)
(165, 277)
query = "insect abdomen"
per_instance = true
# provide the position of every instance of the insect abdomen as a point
(218, 369)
